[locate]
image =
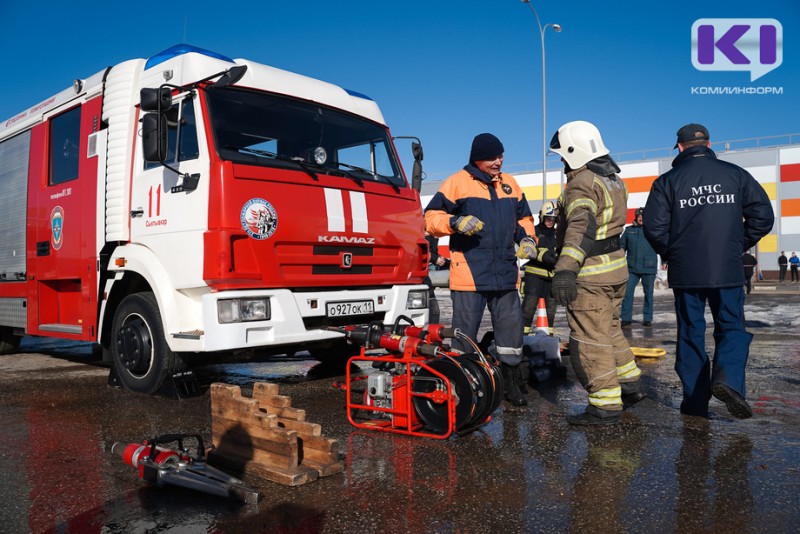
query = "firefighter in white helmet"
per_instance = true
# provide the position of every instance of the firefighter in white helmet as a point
(591, 273)
(539, 270)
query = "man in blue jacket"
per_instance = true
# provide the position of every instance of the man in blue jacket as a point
(642, 265)
(485, 213)
(701, 216)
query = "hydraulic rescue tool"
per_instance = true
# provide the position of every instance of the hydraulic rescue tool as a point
(161, 466)
(422, 387)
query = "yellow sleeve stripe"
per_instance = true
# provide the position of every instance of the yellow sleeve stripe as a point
(581, 203)
(575, 253)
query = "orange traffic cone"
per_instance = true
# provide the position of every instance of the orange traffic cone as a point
(541, 318)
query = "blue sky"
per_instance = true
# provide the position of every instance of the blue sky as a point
(443, 71)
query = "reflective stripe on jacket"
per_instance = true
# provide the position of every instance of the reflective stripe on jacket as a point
(546, 255)
(592, 208)
(485, 261)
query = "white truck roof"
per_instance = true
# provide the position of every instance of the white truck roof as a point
(185, 64)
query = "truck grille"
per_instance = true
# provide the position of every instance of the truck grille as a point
(338, 251)
(298, 261)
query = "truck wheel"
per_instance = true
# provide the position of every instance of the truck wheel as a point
(142, 358)
(9, 343)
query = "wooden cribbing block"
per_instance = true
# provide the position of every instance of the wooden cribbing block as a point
(280, 405)
(294, 414)
(302, 427)
(266, 437)
(310, 454)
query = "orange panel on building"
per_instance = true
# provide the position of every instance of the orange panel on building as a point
(790, 207)
(640, 184)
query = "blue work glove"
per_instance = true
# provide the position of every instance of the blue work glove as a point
(527, 249)
(564, 287)
(467, 225)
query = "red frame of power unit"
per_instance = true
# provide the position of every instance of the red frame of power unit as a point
(404, 417)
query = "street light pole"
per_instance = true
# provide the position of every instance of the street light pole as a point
(542, 29)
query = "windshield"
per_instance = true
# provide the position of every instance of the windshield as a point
(272, 130)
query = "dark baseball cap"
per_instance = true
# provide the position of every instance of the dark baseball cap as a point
(691, 132)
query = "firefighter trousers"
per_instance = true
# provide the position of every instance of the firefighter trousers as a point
(535, 287)
(599, 352)
(506, 315)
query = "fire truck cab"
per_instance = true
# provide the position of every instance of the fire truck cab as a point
(192, 203)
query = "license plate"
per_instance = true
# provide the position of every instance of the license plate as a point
(357, 307)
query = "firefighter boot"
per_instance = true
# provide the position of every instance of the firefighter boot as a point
(595, 416)
(523, 375)
(632, 393)
(511, 382)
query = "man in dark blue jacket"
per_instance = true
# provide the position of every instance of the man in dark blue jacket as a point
(701, 216)
(485, 213)
(642, 265)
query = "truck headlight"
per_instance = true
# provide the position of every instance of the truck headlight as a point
(417, 300)
(243, 310)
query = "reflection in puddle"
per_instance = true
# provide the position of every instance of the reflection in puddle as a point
(279, 369)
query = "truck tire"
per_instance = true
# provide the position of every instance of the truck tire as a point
(142, 358)
(9, 343)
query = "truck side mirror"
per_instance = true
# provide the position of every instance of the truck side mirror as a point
(154, 124)
(416, 171)
(416, 149)
(159, 99)
(154, 137)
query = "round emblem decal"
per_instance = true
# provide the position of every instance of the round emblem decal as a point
(259, 218)
(506, 189)
(57, 226)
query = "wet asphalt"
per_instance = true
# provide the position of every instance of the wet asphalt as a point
(526, 470)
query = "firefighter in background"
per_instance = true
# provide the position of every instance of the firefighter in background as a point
(591, 273)
(485, 213)
(539, 270)
(749, 263)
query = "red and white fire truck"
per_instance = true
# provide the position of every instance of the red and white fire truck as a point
(192, 203)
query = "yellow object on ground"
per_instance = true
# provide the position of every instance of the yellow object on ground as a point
(648, 352)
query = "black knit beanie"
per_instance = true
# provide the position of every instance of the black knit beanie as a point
(485, 147)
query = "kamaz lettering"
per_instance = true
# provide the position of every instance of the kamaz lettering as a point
(346, 239)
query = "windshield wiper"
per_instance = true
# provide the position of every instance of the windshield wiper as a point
(344, 172)
(373, 174)
(280, 157)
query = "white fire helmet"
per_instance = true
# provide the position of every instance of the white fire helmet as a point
(578, 142)
(548, 210)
